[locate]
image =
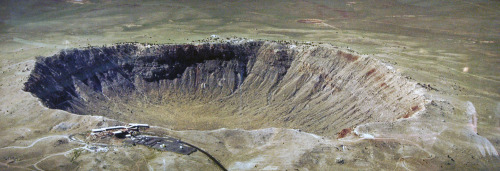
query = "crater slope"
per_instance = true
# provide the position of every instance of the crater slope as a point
(320, 89)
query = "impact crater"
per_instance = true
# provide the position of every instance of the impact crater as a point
(246, 84)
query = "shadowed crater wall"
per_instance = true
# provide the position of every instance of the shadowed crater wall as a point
(245, 84)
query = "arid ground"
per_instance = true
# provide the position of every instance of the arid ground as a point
(439, 60)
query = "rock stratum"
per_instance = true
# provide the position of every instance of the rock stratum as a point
(320, 89)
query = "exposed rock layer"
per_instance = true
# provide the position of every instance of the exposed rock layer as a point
(318, 88)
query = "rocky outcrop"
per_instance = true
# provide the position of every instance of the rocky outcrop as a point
(245, 84)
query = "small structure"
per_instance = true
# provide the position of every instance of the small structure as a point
(120, 131)
(132, 129)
